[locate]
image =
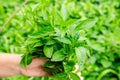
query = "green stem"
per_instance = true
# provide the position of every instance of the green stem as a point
(13, 14)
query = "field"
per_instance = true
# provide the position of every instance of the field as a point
(100, 32)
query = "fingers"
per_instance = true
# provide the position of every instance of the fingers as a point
(45, 74)
(34, 72)
(35, 68)
(40, 61)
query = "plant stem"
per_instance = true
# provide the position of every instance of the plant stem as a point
(13, 14)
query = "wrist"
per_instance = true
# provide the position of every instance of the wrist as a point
(11, 65)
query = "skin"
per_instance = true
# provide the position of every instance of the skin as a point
(9, 66)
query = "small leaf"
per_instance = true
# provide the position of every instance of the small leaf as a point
(62, 76)
(37, 44)
(64, 12)
(81, 56)
(58, 56)
(63, 40)
(49, 63)
(1, 9)
(48, 51)
(105, 72)
(97, 47)
(106, 63)
(73, 25)
(43, 32)
(26, 60)
(69, 66)
(50, 42)
(76, 35)
(30, 41)
(74, 76)
(35, 7)
(86, 24)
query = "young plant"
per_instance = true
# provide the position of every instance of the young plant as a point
(62, 42)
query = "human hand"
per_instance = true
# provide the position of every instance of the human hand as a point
(9, 66)
(35, 68)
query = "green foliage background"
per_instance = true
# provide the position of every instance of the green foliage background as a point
(103, 38)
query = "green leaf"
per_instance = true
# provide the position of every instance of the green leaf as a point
(50, 42)
(48, 51)
(105, 72)
(74, 76)
(31, 41)
(63, 40)
(67, 48)
(69, 66)
(1, 9)
(45, 31)
(26, 59)
(58, 55)
(37, 44)
(86, 24)
(35, 7)
(97, 47)
(81, 56)
(106, 63)
(62, 76)
(74, 24)
(76, 35)
(48, 66)
(64, 12)
(49, 63)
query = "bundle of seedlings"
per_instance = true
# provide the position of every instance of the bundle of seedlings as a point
(61, 39)
(64, 46)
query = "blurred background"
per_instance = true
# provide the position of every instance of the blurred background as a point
(103, 38)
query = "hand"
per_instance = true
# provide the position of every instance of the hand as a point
(9, 66)
(35, 68)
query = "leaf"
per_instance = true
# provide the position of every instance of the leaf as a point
(49, 63)
(97, 47)
(37, 44)
(76, 36)
(106, 63)
(69, 66)
(35, 7)
(45, 31)
(67, 48)
(48, 66)
(73, 25)
(1, 9)
(63, 40)
(62, 76)
(48, 51)
(64, 12)
(58, 56)
(74, 76)
(86, 24)
(105, 72)
(30, 41)
(81, 56)
(50, 42)
(26, 59)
